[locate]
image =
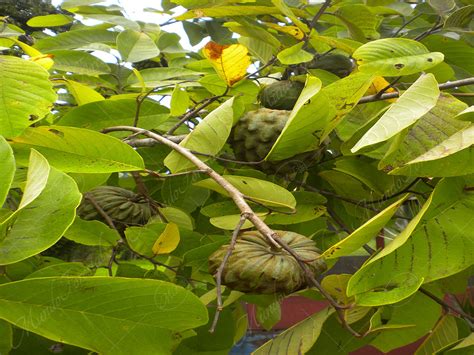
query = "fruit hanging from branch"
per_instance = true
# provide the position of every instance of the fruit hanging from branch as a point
(256, 266)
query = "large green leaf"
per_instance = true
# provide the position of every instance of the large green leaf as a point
(6, 335)
(360, 21)
(437, 243)
(135, 46)
(420, 98)
(91, 233)
(78, 62)
(420, 311)
(395, 56)
(456, 52)
(310, 115)
(40, 223)
(102, 314)
(107, 113)
(364, 233)
(344, 95)
(262, 191)
(431, 129)
(78, 150)
(76, 39)
(26, 94)
(299, 338)
(155, 76)
(208, 137)
(445, 333)
(7, 167)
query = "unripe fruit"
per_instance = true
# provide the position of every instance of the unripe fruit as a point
(337, 64)
(256, 266)
(281, 95)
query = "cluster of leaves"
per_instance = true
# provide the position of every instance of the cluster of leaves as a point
(396, 172)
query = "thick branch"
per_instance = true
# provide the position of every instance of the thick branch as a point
(393, 95)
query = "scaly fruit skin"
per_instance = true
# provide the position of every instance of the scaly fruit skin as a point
(281, 95)
(122, 206)
(254, 135)
(146, 64)
(337, 64)
(256, 266)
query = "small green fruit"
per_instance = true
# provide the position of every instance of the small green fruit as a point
(337, 64)
(281, 95)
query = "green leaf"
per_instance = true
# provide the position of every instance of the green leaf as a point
(420, 98)
(7, 167)
(107, 113)
(49, 20)
(78, 150)
(179, 101)
(61, 269)
(262, 191)
(6, 337)
(42, 222)
(208, 137)
(246, 29)
(445, 333)
(467, 114)
(464, 347)
(142, 239)
(456, 52)
(76, 39)
(269, 315)
(442, 6)
(420, 311)
(175, 215)
(78, 62)
(229, 222)
(311, 113)
(37, 178)
(361, 22)
(146, 311)
(395, 56)
(83, 94)
(458, 141)
(430, 130)
(91, 233)
(460, 18)
(258, 48)
(344, 94)
(155, 76)
(364, 233)
(294, 55)
(135, 46)
(299, 338)
(225, 11)
(26, 94)
(422, 252)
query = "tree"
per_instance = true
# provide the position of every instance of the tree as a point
(145, 198)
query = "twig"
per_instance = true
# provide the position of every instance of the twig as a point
(220, 269)
(406, 24)
(315, 20)
(149, 142)
(446, 305)
(436, 26)
(269, 63)
(195, 111)
(393, 95)
(227, 160)
(166, 176)
(389, 197)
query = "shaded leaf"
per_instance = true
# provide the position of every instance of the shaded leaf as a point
(76, 39)
(294, 55)
(78, 62)
(445, 333)
(91, 233)
(106, 306)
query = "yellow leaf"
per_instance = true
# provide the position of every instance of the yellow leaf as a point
(167, 241)
(229, 61)
(45, 60)
(82, 94)
(291, 30)
(379, 84)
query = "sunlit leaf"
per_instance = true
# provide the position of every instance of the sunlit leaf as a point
(7, 167)
(82, 93)
(229, 61)
(420, 98)
(445, 333)
(49, 20)
(294, 55)
(167, 241)
(135, 46)
(291, 30)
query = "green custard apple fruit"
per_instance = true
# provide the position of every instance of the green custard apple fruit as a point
(124, 207)
(257, 266)
(254, 135)
(337, 64)
(281, 95)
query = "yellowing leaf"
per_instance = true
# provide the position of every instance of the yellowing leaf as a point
(45, 60)
(229, 61)
(379, 84)
(291, 30)
(82, 94)
(167, 241)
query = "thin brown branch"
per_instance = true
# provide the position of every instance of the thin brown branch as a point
(220, 270)
(195, 111)
(446, 305)
(393, 95)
